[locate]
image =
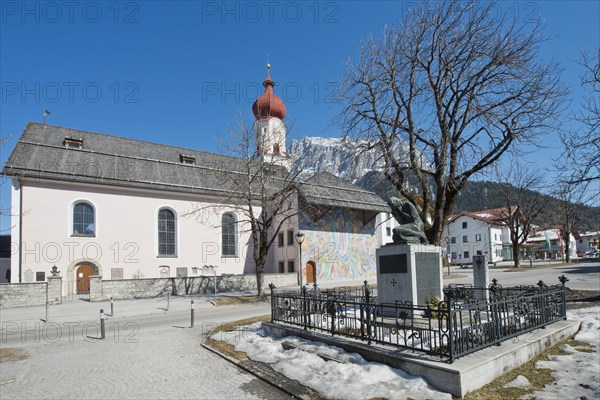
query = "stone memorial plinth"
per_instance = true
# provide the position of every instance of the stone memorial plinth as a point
(409, 273)
(481, 276)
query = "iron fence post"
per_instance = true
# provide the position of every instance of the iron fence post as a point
(542, 303)
(303, 308)
(448, 297)
(272, 288)
(563, 280)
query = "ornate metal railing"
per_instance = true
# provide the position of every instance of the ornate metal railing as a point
(467, 320)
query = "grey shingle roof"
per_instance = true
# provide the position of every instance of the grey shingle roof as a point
(327, 189)
(110, 160)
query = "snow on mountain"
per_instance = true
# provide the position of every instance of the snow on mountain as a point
(342, 157)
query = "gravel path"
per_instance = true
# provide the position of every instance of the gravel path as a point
(163, 363)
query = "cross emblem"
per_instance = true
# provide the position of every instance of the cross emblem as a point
(393, 282)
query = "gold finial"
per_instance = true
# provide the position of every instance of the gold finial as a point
(268, 66)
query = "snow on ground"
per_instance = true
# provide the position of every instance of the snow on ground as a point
(577, 373)
(352, 378)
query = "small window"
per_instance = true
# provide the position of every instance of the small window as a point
(83, 219)
(290, 238)
(465, 239)
(40, 276)
(229, 235)
(276, 149)
(454, 255)
(453, 239)
(464, 225)
(189, 160)
(73, 143)
(388, 231)
(290, 266)
(166, 233)
(280, 238)
(478, 237)
(479, 253)
(281, 267)
(466, 254)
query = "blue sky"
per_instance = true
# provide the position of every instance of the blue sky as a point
(179, 72)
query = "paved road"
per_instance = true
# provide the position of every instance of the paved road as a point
(582, 276)
(149, 357)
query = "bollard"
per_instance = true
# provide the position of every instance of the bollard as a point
(168, 299)
(192, 315)
(46, 302)
(102, 331)
(112, 310)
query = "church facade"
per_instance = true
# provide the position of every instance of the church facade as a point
(95, 204)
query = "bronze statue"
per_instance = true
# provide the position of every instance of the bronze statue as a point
(411, 229)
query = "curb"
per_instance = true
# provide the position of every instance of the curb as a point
(268, 375)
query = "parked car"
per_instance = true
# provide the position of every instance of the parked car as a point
(580, 253)
(591, 253)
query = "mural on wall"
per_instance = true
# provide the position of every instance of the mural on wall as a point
(340, 245)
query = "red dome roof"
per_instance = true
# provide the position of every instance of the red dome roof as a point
(268, 104)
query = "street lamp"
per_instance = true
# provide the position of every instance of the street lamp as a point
(300, 240)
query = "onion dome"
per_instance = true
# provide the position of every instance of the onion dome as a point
(268, 105)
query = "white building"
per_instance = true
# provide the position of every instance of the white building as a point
(549, 243)
(475, 233)
(588, 240)
(94, 204)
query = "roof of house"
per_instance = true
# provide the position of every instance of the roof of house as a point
(492, 216)
(326, 189)
(41, 153)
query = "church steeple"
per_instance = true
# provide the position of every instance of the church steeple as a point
(268, 104)
(269, 128)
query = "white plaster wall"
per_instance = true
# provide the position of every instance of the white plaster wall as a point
(126, 231)
(474, 227)
(288, 252)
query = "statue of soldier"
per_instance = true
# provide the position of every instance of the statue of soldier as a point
(411, 228)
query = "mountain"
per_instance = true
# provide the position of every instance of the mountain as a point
(350, 160)
(342, 157)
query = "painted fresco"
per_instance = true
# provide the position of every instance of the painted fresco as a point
(339, 243)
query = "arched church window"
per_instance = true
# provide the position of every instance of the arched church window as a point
(83, 219)
(228, 235)
(276, 148)
(166, 233)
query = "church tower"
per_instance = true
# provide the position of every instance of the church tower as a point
(269, 129)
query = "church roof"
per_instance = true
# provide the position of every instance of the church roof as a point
(42, 153)
(56, 153)
(327, 189)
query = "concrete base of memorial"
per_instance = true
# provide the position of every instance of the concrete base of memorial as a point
(466, 374)
(409, 273)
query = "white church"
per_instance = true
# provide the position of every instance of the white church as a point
(94, 204)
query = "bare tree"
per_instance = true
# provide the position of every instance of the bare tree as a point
(521, 203)
(263, 193)
(459, 85)
(582, 145)
(570, 195)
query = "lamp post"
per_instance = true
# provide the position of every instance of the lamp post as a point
(300, 240)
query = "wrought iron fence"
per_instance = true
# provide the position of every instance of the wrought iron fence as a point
(468, 319)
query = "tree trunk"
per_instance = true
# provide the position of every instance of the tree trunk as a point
(515, 251)
(567, 247)
(260, 279)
